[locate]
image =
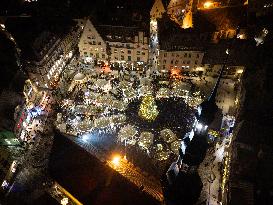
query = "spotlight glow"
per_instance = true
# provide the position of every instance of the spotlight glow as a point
(116, 160)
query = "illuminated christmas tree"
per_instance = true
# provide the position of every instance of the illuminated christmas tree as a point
(148, 109)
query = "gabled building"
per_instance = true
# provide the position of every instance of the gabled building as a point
(117, 44)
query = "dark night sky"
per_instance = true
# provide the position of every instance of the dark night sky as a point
(73, 7)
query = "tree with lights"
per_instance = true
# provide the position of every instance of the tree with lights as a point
(148, 109)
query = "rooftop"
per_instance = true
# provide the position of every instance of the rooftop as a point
(88, 179)
(119, 33)
(172, 37)
(215, 54)
(35, 34)
(225, 17)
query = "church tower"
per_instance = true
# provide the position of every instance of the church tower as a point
(156, 13)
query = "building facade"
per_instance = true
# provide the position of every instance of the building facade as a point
(184, 60)
(52, 53)
(114, 44)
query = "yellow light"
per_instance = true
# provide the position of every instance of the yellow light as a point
(116, 160)
(208, 4)
(148, 109)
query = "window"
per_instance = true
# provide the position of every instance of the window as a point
(115, 50)
(177, 55)
(164, 62)
(129, 51)
(189, 55)
(143, 53)
(97, 55)
(129, 58)
(185, 55)
(138, 52)
(94, 42)
(138, 58)
(171, 61)
(99, 43)
(122, 57)
(165, 54)
(176, 62)
(85, 53)
(188, 62)
(195, 62)
(103, 55)
(122, 51)
(197, 56)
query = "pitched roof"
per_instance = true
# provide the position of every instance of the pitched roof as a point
(118, 33)
(215, 54)
(225, 18)
(172, 37)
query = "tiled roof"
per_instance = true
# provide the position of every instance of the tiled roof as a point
(215, 54)
(225, 18)
(172, 37)
(118, 33)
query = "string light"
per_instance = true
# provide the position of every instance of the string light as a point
(148, 109)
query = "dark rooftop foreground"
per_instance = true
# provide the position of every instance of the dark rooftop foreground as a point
(88, 179)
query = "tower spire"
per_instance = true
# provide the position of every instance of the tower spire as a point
(156, 13)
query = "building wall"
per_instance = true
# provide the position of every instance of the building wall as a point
(186, 60)
(47, 70)
(93, 45)
(223, 34)
(181, 12)
(130, 52)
